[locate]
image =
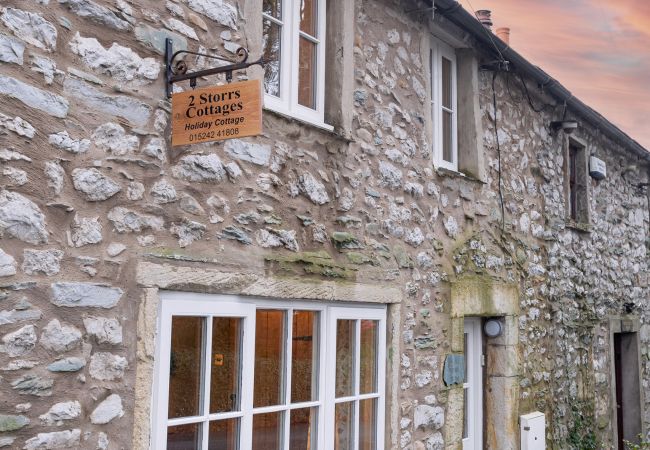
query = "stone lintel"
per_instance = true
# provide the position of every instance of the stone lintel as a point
(174, 277)
(483, 296)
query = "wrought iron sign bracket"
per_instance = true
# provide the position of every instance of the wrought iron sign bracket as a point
(178, 71)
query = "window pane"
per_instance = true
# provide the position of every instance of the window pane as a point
(185, 367)
(304, 362)
(302, 431)
(368, 350)
(184, 437)
(224, 435)
(447, 141)
(308, 16)
(345, 335)
(226, 363)
(446, 83)
(465, 355)
(343, 426)
(465, 413)
(269, 358)
(307, 74)
(273, 8)
(267, 431)
(272, 46)
(368, 424)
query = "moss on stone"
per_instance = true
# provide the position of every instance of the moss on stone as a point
(360, 258)
(314, 263)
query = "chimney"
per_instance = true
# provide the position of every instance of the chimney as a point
(503, 33)
(485, 17)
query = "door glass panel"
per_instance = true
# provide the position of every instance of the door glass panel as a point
(466, 412)
(307, 73)
(272, 38)
(308, 17)
(226, 364)
(368, 424)
(465, 355)
(368, 351)
(224, 435)
(185, 366)
(269, 357)
(345, 335)
(302, 429)
(304, 354)
(343, 426)
(184, 437)
(267, 431)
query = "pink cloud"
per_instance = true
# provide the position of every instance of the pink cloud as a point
(598, 50)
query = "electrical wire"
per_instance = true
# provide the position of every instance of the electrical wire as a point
(489, 33)
(530, 100)
(496, 135)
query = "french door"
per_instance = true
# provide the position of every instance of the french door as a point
(235, 373)
(473, 386)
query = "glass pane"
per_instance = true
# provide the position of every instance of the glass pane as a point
(273, 8)
(304, 359)
(226, 363)
(269, 358)
(447, 143)
(308, 16)
(446, 83)
(343, 426)
(465, 356)
(185, 367)
(344, 357)
(184, 437)
(224, 435)
(465, 414)
(368, 424)
(368, 350)
(302, 429)
(307, 74)
(267, 431)
(272, 46)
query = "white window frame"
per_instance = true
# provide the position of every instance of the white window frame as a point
(474, 384)
(287, 102)
(207, 305)
(439, 50)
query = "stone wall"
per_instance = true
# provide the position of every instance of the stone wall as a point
(91, 188)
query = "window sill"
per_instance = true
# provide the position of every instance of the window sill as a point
(578, 226)
(290, 116)
(445, 172)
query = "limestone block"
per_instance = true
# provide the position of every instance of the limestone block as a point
(36, 98)
(7, 264)
(60, 412)
(47, 262)
(107, 366)
(11, 50)
(86, 230)
(259, 154)
(19, 126)
(63, 141)
(128, 221)
(112, 138)
(313, 189)
(201, 168)
(12, 423)
(55, 175)
(221, 12)
(33, 385)
(16, 177)
(97, 13)
(428, 417)
(54, 440)
(70, 364)
(94, 185)
(30, 27)
(19, 342)
(60, 338)
(107, 410)
(85, 295)
(103, 329)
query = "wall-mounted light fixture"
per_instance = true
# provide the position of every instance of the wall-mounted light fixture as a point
(492, 328)
(566, 125)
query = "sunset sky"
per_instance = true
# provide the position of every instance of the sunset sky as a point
(598, 49)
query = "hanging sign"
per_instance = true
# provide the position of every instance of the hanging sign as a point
(217, 113)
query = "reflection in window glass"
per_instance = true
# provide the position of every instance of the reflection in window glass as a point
(304, 367)
(272, 52)
(446, 83)
(345, 334)
(226, 363)
(267, 431)
(343, 426)
(302, 431)
(307, 73)
(269, 357)
(308, 17)
(368, 424)
(447, 133)
(184, 437)
(368, 350)
(224, 435)
(185, 367)
(272, 8)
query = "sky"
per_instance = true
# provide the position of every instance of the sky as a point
(598, 49)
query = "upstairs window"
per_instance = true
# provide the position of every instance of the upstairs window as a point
(294, 39)
(577, 184)
(444, 109)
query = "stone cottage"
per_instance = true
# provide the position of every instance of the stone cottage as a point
(431, 245)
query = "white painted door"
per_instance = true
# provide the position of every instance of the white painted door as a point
(473, 386)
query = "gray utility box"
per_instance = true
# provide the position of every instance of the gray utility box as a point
(533, 431)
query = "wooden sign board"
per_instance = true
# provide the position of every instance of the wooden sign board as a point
(217, 113)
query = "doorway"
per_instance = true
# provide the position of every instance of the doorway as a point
(473, 385)
(627, 389)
